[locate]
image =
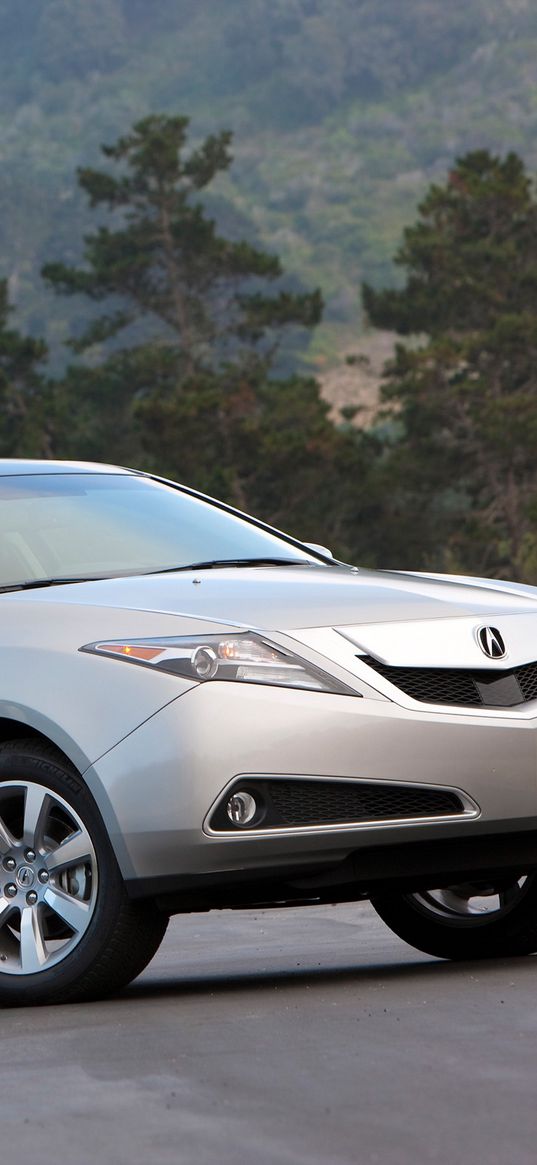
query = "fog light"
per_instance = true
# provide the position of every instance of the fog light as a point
(241, 808)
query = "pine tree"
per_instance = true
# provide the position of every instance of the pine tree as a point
(165, 267)
(25, 397)
(175, 373)
(464, 399)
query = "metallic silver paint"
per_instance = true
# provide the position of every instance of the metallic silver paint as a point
(276, 732)
(156, 751)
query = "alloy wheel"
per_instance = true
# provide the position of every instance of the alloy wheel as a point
(471, 902)
(48, 878)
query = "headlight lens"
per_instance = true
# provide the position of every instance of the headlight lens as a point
(245, 658)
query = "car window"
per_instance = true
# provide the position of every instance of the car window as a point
(82, 524)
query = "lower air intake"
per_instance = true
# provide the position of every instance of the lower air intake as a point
(292, 803)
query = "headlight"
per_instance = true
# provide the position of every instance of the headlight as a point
(246, 658)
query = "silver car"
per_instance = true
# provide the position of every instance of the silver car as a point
(198, 712)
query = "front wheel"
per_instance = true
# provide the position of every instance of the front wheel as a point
(471, 920)
(68, 931)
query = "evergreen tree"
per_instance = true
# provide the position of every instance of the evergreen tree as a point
(165, 267)
(25, 412)
(463, 465)
(177, 370)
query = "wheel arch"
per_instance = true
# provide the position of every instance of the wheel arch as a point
(22, 727)
(18, 722)
(13, 730)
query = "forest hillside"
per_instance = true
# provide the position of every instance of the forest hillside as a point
(342, 115)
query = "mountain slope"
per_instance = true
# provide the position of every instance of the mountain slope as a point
(342, 115)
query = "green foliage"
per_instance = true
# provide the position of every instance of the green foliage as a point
(466, 401)
(76, 38)
(24, 426)
(343, 113)
(194, 398)
(165, 265)
(471, 255)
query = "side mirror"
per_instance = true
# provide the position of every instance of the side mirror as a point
(319, 549)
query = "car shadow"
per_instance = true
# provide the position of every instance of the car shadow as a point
(222, 982)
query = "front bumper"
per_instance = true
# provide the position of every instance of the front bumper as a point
(155, 787)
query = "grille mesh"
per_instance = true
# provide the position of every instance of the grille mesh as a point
(333, 802)
(432, 685)
(527, 678)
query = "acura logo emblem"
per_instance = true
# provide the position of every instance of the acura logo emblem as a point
(491, 642)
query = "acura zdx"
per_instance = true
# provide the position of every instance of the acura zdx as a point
(198, 712)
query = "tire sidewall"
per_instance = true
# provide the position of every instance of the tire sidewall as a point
(513, 932)
(30, 763)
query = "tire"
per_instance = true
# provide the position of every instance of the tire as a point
(68, 931)
(467, 921)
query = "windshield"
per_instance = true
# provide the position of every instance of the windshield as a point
(80, 526)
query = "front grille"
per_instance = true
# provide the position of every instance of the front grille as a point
(293, 802)
(527, 678)
(463, 686)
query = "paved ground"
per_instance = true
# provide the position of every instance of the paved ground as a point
(296, 1037)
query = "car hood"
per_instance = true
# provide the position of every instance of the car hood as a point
(401, 619)
(289, 598)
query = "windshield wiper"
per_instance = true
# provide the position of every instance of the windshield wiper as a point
(211, 563)
(34, 584)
